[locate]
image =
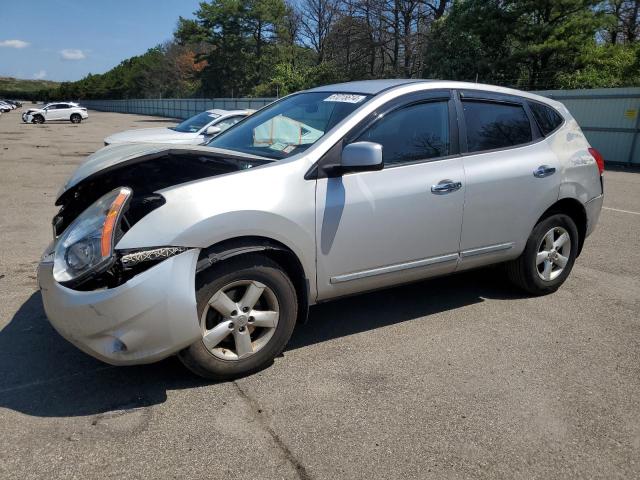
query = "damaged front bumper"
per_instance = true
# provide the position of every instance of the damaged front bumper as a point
(148, 318)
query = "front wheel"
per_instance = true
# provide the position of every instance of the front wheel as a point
(38, 119)
(76, 118)
(247, 309)
(548, 256)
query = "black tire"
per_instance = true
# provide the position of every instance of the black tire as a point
(38, 119)
(200, 360)
(75, 118)
(523, 271)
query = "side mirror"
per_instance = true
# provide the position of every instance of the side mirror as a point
(212, 130)
(361, 157)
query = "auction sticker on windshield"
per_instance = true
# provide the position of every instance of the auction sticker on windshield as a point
(345, 98)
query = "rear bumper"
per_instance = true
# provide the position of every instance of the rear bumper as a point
(593, 208)
(150, 317)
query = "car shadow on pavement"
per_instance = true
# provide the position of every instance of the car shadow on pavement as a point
(382, 308)
(41, 374)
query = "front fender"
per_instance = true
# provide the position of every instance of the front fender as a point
(278, 205)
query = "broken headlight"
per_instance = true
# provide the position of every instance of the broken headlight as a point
(86, 246)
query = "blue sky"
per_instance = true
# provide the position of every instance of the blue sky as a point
(67, 39)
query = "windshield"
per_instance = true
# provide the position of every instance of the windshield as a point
(195, 123)
(289, 126)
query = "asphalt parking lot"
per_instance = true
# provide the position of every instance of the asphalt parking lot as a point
(461, 377)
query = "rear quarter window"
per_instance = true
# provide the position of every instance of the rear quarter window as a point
(547, 118)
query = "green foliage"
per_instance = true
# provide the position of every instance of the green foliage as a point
(471, 42)
(287, 78)
(268, 47)
(243, 40)
(14, 88)
(163, 71)
(604, 66)
(526, 43)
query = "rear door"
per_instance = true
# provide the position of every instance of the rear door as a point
(63, 112)
(54, 111)
(512, 176)
(398, 224)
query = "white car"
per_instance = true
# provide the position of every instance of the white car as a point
(6, 107)
(196, 130)
(60, 111)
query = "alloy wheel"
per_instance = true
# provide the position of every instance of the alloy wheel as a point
(239, 319)
(553, 253)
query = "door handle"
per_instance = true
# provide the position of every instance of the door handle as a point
(445, 186)
(543, 171)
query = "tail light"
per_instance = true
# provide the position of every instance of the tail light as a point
(598, 158)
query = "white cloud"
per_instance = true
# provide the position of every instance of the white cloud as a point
(14, 43)
(40, 75)
(72, 54)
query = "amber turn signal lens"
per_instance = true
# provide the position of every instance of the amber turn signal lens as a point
(106, 241)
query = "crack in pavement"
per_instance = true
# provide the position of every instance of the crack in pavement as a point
(255, 408)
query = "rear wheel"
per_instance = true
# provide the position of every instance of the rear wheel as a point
(247, 309)
(548, 256)
(38, 119)
(76, 118)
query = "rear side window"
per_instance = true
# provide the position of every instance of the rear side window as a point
(495, 125)
(413, 133)
(546, 117)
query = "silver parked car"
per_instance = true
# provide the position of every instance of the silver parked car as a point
(195, 130)
(215, 252)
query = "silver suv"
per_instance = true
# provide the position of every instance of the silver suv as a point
(214, 253)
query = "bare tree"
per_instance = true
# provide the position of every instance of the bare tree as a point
(316, 19)
(386, 36)
(626, 13)
(631, 21)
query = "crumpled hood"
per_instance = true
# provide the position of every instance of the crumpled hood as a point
(153, 135)
(117, 155)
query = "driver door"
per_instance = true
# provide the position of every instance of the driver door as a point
(379, 228)
(49, 112)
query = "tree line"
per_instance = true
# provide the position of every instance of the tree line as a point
(237, 48)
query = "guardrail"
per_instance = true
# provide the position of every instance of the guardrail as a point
(609, 117)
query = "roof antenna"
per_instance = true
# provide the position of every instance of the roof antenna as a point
(476, 77)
